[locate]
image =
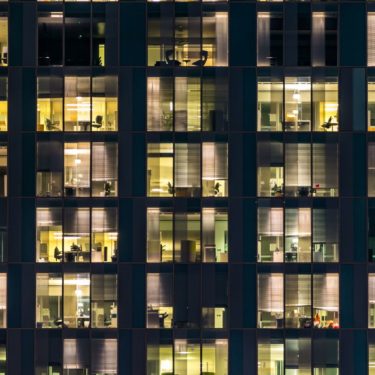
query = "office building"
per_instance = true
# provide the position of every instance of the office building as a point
(187, 187)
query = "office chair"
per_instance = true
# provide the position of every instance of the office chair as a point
(98, 122)
(202, 60)
(51, 125)
(170, 59)
(329, 124)
(58, 254)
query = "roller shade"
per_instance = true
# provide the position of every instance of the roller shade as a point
(48, 217)
(159, 289)
(297, 290)
(76, 221)
(104, 161)
(325, 166)
(325, 225)
(326, 292)
(271, 292)
(215, 161)
(104, 219)
(104, 287)
(187, 165)
(270, 221)
(371, 39)
(270, 154)
(76, 354)
(104, 356)
(50, 156)
(298, 222)
(297, 164)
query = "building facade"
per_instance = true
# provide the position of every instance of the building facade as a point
(187, 187)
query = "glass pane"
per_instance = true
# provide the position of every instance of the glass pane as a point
(270, 300)
(77, 300)
(270, 234)
(77, 169)
(49, 236)
(187, 357)
(48, 300)
(270, 357)
(159, 359)
(160, 170)
(50, 38)
(215, 357)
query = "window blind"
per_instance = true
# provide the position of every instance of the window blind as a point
(104, 161)
(326, 292)
(187, 165)
(104, 356)
(371, 39)
(271, 292)
(270, 221)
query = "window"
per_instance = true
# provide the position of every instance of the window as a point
(176, 169)
(104, 356)
(77, 169)
(49, 300)
(371, 300)
(76, 356)
(324, 38)
(49, 234)
(199, 39)
(104, 169)
(326, 300)
(326, 355)
(371, 358)
(298, 355)
(270, 356)
(309, 104)
(90, 104)
(326, 234)
(53, 244)
(3, 301)
(3, 170)
(371, 169)
(3, 99)
(325, 104)
(50, 103)
(297, 301)
(178, 236)
(315, 174)
(76, 300)
(50, 38)
(371, 39)
(270, 234)
(3, 229)
(3, 39)
(159, 300)
(104, 301)
(104, 234)
(270, 160)
(371, 101)
(270, 38)
(189, 356)
(270, 300)
(297, 104)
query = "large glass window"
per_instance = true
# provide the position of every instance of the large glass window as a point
(270, 300)
(159, 300)
(187, 356)
(270, 161)
(178, 236)
(103, 301)
(77, 234)
(371, 170)
(49, 235)
(325, 234)
(371, 39)
(371, 358)
(50, 38)
(270, 356)
(270, 104)
(49, 300)
(3, 99)
(77, 169)
(76, 300)
(76, 354)
(159, 357)
(3, 300)
(270, 234)
(104, 169)
(3, 170)
(104, 356)
(50, 103)
(176, 170)
(53, 244)
(324, 38)
(104, 234)
(325, 356)
(270, 38)
(297, 104)
(298, 356)
(298, 234)
(297, 301)
(90, 104)
(371, 300)
(193, 40)
(3, 39)
(3, 229)
(326, 300)
(326, 104)
(371, 100)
